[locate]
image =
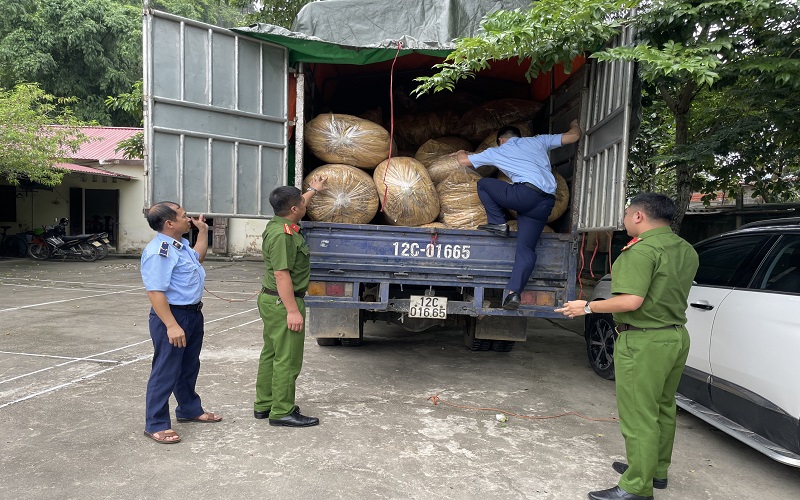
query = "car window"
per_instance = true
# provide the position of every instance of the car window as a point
(781, 270)
(720, 259)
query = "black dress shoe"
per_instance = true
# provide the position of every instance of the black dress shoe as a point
(615, 493)
(620, 467)
(265, 414)
(294, 419)
(501, 229)
(511, 302)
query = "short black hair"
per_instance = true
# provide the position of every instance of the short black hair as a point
(284, 198)
(160, 213)
(656, 206)
(508, 131)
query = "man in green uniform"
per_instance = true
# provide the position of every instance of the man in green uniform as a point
(650, 282)
(286, 257)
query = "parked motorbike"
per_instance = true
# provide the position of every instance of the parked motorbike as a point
(54, 242)
(102, 238)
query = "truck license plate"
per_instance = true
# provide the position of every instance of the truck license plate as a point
(422, 306)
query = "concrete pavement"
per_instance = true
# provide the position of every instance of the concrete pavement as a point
(74, 362)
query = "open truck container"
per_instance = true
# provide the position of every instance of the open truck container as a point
(224, 118)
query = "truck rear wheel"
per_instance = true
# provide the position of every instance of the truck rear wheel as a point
(470, 341)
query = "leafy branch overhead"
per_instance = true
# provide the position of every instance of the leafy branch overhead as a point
(29, 145)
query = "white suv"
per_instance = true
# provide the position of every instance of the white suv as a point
(743, 368)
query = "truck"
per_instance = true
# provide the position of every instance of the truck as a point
(224, 118)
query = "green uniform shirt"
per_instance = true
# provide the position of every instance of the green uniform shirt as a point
(659, 267)
(284, 248)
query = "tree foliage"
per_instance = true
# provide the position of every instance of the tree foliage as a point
(86, 49)
(29, 145)
(684, 48)
(131, 103)
(225, 13)
(277, 12)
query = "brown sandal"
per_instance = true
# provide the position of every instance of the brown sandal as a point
(161, 437)
(210, 418)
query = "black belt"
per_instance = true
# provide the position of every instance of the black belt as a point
(276, 294)
(548, 195)
(188, 307)
(624, 327)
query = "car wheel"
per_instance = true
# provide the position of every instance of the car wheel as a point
(600, 336)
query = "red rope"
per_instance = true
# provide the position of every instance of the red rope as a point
(591, 261)
(391, 125)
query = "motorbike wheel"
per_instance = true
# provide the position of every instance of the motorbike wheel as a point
(88, 252)
(39, 251)
(102, 252)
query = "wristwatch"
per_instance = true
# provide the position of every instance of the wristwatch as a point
(587, 309)
(310, 188)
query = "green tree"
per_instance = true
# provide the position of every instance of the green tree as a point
(29, 144)
(131, 103)
(277, 12)
(86, 49)
(225, 13)
(683, 48)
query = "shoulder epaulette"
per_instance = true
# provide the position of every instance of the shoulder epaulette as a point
(163, 250)
(634, 241)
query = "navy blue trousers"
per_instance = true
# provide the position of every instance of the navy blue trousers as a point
(174, 370)
(532, 209)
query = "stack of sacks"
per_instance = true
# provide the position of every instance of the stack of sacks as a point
(412, 130)
(346, 139)
(478, 122)
(444, 166)
(491, 138)
(350, 197)
(436, 148)
(458, 196)
(406, 191)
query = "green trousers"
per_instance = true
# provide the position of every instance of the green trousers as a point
(281, 358)
(648, 365)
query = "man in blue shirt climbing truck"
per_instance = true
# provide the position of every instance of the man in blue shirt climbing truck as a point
(526, 162)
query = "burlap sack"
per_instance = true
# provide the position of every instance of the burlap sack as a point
(481, 120)
(435, 148)
(412, 130)
(347, 139)
(406, 192)
(562, 196)
(350, 197)
(491, 140)
(444, 166)
(458, 198)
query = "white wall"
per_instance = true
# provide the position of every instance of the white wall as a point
(40, 208)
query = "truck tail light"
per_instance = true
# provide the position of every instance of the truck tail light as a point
(538, 298)
(330, 288)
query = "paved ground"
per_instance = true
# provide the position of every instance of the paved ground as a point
(74, 362)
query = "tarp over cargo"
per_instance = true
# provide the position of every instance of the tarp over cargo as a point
(369, 31)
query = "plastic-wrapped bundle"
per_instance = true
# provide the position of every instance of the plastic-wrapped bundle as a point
(436, 148)
(491, 138)
(562, 196)
(444, 166)
(350, 197)
(481, 120)
(406, 191)
(435, 225)
(412, 130)
(347, 139)
(458, 197)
